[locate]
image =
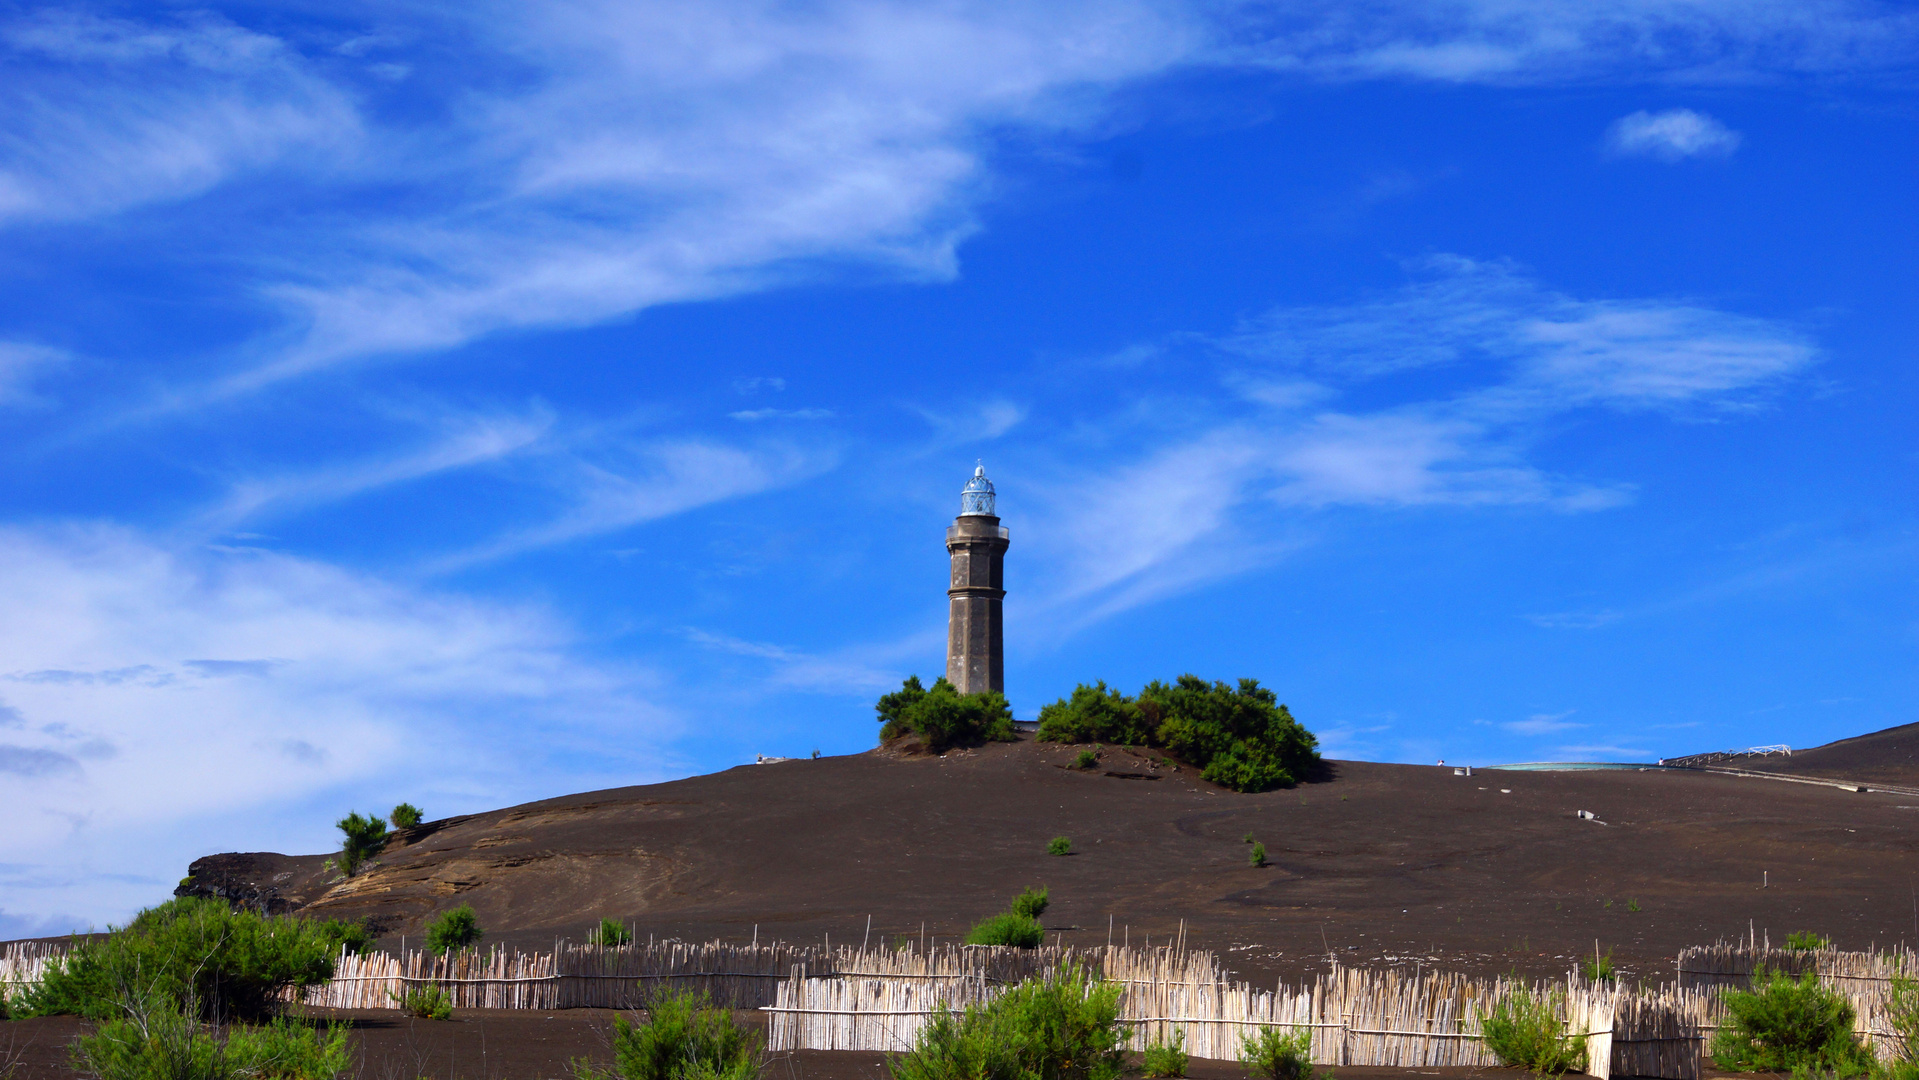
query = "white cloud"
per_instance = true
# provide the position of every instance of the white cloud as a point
(751, 415)
(1671, 135)
(461, 442)
(618, 485)
(1196, 505)
(1577, 620)
(673, 151)
(20, 363)
(104, 113)
(171, 704)
(1499, 41)
(847, 673)
(1542, 724)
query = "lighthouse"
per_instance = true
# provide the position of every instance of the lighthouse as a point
(975, 633)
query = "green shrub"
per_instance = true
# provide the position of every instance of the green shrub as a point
(611, 932)
(1086, 760)
(1059, 845)
(1902, 1016)
(1276, 1055)
(1785, 1024)
(1163, 1059)
(1065, 1027)
(453, 929)
(1598, 969)
(425, 1002)
(1241, 738)
(1806, 941)
(685, 1037)
(406, 816)
(364, 837)
(354, 936)
(1258, 855)
(1094, 714)
(1525, 1031)
(1031, 903)
(160, 1040)
(943, 716)
(230, 963)
(1008, 928)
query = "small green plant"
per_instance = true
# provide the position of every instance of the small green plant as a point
(1276, 1055)
(1258, 855)
(1247, 839)
(1806, 941)
(685, 1037)
(1008, 928)
(453, 930)
(364, 837)
(1633, 905)
(1086, 760)
(406, 816)
(1059, 845)
(1785, 1024)
(1063, 1027)
(1608, 905)
(1031, 903)
(1165, 1059)
(1599, 968)
(610, 932)
(1525, 1031)
(425, 1002)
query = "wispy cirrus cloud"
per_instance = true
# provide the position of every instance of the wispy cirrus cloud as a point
(619, 484)
(1202, 504)
(107, 113)
(678, 151)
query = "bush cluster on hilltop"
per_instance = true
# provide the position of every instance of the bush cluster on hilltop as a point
(1241, 738)
(943, 717)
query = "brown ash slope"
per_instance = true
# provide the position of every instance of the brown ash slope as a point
(1883, 757)
(1485, 872)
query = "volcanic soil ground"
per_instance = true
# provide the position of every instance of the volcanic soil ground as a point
(1380, 865)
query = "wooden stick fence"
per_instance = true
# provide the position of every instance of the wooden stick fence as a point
(22, 963)
(571, 977)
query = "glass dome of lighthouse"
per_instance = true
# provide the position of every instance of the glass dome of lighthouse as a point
(976, 499)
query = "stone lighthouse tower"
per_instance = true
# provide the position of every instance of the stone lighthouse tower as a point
(975, 637)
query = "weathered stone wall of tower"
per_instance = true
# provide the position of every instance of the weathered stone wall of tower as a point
(975, 635)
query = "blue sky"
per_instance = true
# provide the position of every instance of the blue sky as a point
(476, 403)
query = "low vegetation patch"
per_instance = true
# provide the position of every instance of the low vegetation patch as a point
(1065, 1027)
(1785, 1024)
(943, 717)
(163, 1041)
(1902, 1016)
(1806, 941)
(1240, 737)
(1525, 1031)
(1278, 1055)
(611, 932)
(454, 929)
(425, 1002)
(1165, 1059)
(1086, 760)
(1059, 845)
(685, 1037)
(406, 816)
(1257, 856)
(1018, 926)
(193, 950)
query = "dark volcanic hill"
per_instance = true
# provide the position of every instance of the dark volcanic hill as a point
(1485, 872)
(1884, 757)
